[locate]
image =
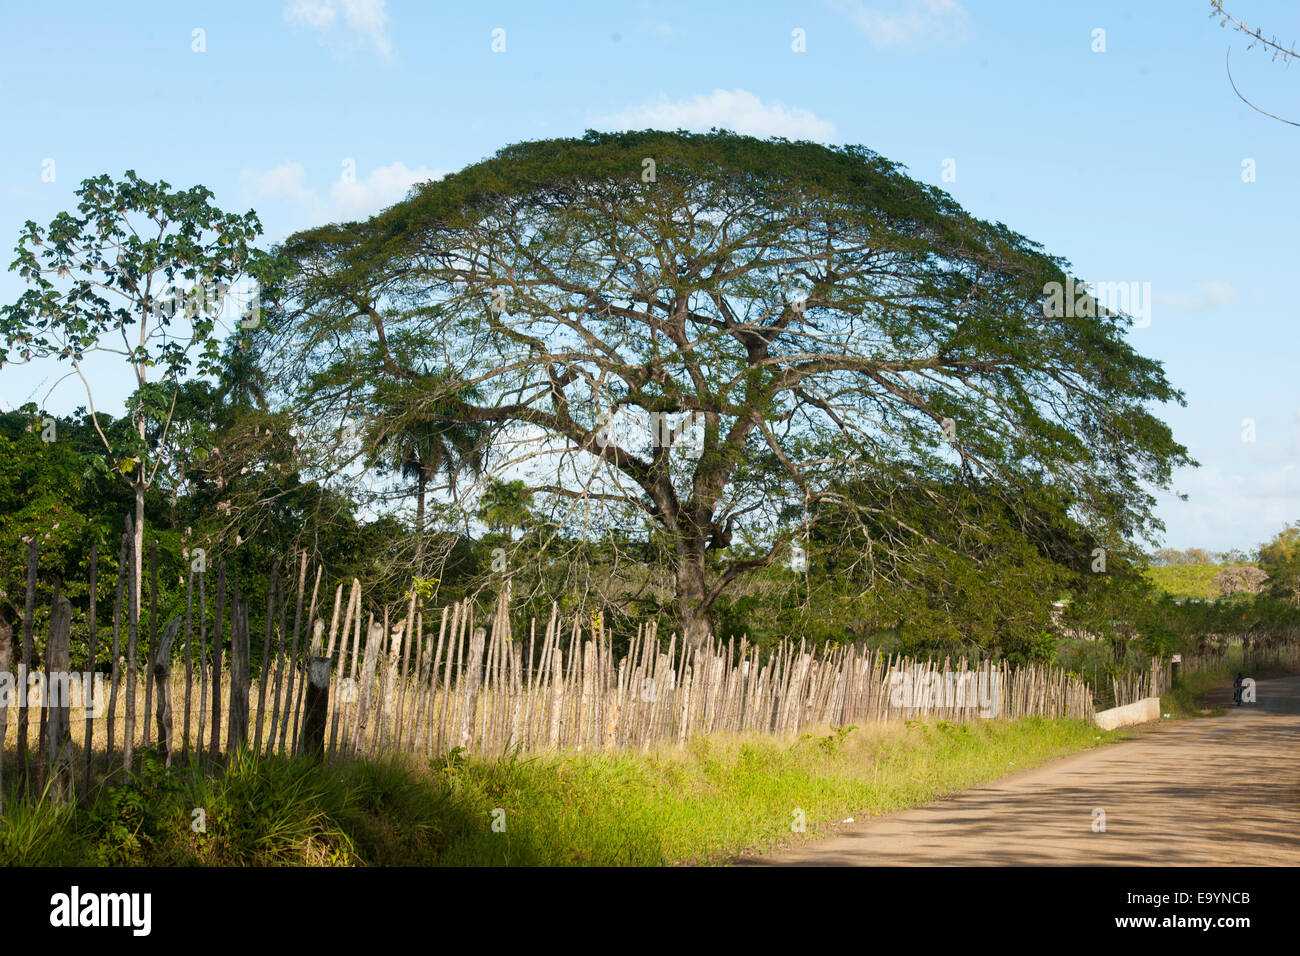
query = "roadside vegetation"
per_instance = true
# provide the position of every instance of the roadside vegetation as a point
(704, 803)
(794, 395)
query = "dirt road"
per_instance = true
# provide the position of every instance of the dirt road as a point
(1214, 791)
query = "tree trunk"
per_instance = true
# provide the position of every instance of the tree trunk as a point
(138, 568)
(692, 589)
(421, 482)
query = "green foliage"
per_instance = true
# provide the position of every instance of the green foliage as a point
(742, 285)
(505, 506)
(1280, 560)
(1194, 581)
(142, 263)
(38, 832)
(832, 742)
(704, 803)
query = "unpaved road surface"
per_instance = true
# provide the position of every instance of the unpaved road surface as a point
(1213, 791)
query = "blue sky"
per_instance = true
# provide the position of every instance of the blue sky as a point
(1127, 161)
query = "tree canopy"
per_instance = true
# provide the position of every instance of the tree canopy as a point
(814, 312)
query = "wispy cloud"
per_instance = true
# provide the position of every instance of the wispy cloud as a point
(1212, 295)
(349, 197)
(736, 110)
(286, 181)
(908, 22)
(344, 22)
(384, 186)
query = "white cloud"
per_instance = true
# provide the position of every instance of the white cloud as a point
(737, 110)
(909, 22)
(363, 21)
(349, 198)
(383, 187)
(1231, 508)
(1213, 294)
(286, 181)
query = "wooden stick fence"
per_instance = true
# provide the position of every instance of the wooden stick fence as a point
(457, 680)
(391, 686)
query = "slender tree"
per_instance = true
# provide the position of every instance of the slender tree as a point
(146, 273)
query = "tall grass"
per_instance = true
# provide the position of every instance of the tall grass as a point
(706, 802)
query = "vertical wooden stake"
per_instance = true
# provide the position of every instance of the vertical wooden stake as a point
(289, 699)
(29, 618)
(58, 663)
(201, 739)
(271, 595)
(316, 707)
(128, 738)
(88, 700)
(151, 650)
(162, 676)
(6, 651)
(237, 735)
(117, 648)
(218, 651)
(189, 669)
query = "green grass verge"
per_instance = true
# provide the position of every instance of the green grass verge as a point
(703, 803)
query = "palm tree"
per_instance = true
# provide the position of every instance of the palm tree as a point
(505, 506)
(423, 443)
(242, 382)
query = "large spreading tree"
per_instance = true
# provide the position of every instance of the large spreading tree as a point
(710, 337)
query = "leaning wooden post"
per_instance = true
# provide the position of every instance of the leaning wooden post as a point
(162, 676)
(316, 707)
(238, 729)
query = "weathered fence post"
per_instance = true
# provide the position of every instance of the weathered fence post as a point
(29, 614)
(200, 741)
(272, 595)
(162, 676)
(114, 673)
(365, 690)
(88, 695)
(217, 652)
(238, 731)
(42, 738)
(58, 670)
(6, 648)
(189, 662)
(316, 707)
(473, 677)
(152, 650)
(279, 657)
(133, 633)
